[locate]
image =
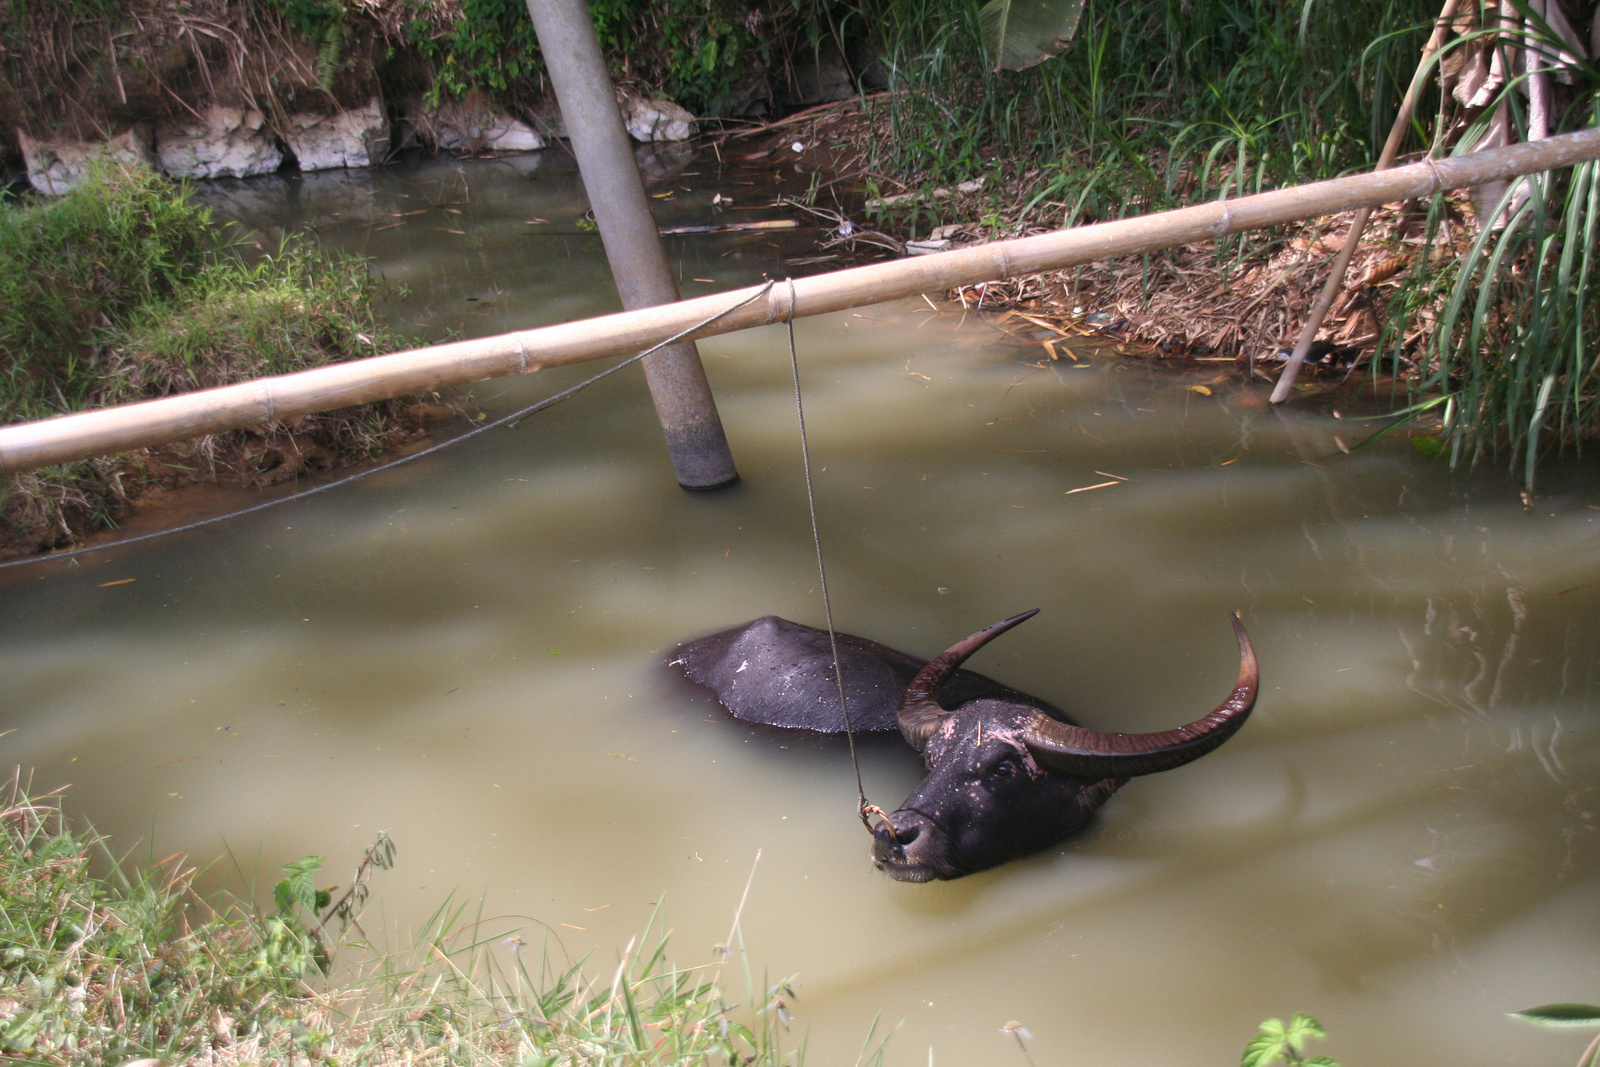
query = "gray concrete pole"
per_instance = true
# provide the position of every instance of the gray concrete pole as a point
(588, 100)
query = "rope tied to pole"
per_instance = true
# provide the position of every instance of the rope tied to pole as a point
(865, 809)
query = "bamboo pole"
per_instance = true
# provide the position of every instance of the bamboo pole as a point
(1341, 264)
(262, 402)
(588, 100)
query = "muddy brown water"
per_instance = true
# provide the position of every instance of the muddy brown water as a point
(464, 651)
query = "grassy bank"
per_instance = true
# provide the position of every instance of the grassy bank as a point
(104, 962)
(1475, 308)
(123, 290)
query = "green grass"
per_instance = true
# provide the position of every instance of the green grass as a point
(1161, 103)
(104, 961)
(1154, 105)
(1512, 316)
(124, 290)
(1268, 92)
(75, 271)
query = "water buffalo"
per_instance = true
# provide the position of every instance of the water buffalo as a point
(1008, 774)
(1006, 778)
(774, 672)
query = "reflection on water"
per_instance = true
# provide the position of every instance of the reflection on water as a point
(465, 651)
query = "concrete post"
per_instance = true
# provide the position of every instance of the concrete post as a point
(684, 405)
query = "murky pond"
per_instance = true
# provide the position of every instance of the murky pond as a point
(465, 651)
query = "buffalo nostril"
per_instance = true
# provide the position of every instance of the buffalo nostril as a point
(907, 834)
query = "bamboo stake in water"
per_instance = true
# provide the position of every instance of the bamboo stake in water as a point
(588, 100)
(1341, 264)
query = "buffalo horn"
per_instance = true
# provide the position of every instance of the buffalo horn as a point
(1092, 755)
(920, 712)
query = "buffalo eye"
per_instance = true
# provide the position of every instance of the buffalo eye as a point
(1006, 768)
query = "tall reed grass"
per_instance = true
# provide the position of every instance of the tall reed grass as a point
(1498, 320)
(1177, 98)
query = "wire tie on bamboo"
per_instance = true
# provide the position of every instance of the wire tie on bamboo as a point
(864, 809)
(1439, 185)
(269, 406)
(511, 421)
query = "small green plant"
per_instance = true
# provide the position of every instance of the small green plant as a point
(324, 23)
(1278, 1040)
(1564, 1016)
(297, 931)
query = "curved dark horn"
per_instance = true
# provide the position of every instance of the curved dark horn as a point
(920, 713)
(1092, 755)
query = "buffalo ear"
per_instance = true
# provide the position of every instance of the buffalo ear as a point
(919, 721)
(920, 712)
(1092, 755)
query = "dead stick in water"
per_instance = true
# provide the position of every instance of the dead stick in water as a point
(728, 227)
(1341, 263)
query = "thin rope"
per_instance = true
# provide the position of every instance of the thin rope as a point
(512, 420)
(822, 570)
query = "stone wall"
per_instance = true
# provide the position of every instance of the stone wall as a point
(238, 142)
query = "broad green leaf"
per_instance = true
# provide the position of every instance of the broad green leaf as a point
(301, 885)
(1020, 33)
(1561, 1015)
(1280, 1041)
(1431, 447)
(1265, 1046)
(304, 865)
(1301, 1027)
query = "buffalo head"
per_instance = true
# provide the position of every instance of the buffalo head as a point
(1005, 779)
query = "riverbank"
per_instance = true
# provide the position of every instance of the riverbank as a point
(240, 88)
(124, 290)
(1439, 309)
(111, 963)
(1471, 306)
(1238, 304)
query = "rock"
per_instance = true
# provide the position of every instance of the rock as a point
(548, 120)
(54, 167)
(314, 200)
(660, 161)
(466, 129)
(656, 120)
(748, 99)
(344, 139)
(819, 78)
(227, 142)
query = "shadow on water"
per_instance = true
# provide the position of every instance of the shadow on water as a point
(465, 651)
